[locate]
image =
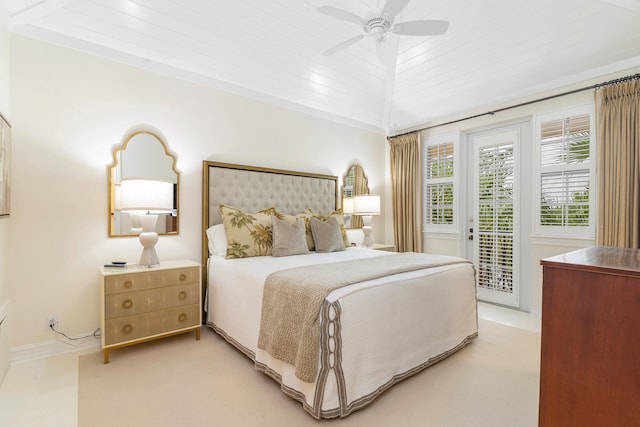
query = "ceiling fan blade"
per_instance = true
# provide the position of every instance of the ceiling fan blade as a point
(345, 44)
(393, 7)
(421, 28)
(340, 14)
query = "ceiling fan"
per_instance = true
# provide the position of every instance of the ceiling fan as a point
(381, 24)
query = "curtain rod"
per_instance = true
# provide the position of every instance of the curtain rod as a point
(546, 98)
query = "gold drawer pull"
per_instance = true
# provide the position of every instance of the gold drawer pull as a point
(127, 304)
(127, 329)
(182, 317)
(182, 277)
(128, 284)
(182, 295)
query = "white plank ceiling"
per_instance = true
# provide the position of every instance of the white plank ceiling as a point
(494, 50)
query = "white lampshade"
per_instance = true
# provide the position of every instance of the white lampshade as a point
(146, 195)
(117, 197)
(366, 205)
(347, 205)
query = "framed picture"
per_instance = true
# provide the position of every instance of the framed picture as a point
(5, 167)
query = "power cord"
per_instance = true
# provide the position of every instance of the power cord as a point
(97, 334)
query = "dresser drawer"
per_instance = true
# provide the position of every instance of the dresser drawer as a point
(145, 325)
(130, 303)
(142, 279)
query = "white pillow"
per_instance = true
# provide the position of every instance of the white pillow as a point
(217, 240)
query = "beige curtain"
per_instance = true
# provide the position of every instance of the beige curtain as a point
(618, 142)
(405, 192)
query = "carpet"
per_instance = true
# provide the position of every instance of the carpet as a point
(179, 381)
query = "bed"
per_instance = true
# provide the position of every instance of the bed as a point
(370, 333)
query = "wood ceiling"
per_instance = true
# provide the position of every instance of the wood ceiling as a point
(494, 50)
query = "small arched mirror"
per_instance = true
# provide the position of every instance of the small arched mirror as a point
(355, 183)
(142, 156)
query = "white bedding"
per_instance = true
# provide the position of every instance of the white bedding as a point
(389, 328)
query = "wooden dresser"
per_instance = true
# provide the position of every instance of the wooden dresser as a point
(590, 355)
(142, 304)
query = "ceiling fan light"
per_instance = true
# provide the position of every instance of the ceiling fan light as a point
(380, 37)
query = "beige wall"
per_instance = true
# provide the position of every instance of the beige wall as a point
(4, 221)
(4, 108)
(69, 110)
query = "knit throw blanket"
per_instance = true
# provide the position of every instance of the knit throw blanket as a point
(292, 299)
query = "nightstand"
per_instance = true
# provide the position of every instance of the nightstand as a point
(383, 247)
(139, 304)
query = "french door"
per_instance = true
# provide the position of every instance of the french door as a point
(493, 226)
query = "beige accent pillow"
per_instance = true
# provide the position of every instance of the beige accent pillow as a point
(248, 234)
(288, 238)
(290, 219)
(326, 235)
(339, 217)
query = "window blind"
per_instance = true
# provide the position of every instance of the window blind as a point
(439, 184)
(565, 171)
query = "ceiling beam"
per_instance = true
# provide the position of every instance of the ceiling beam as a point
(37, 10)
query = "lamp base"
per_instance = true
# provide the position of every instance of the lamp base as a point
(367, 230)
(149, 257)
(148, 240)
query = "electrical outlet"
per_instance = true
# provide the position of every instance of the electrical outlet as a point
(52, 322)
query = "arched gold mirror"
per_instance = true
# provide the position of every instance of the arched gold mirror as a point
(144, 156)
(355, 183)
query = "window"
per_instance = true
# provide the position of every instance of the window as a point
(439, 188)
(565, 153)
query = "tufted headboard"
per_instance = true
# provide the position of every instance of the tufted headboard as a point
(253, 188)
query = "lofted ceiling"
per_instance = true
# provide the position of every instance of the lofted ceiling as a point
(494, 50)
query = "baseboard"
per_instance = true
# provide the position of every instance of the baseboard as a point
(51, 348)
(536, 311)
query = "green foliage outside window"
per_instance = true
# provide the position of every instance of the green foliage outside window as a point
(440, 204)
(439, 198)
(571, 208)
(495, 219)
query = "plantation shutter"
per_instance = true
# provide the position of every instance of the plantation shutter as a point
(495, 235)
(439, 184)
(565, 159)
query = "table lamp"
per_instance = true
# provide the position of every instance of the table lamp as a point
(147, 198)
(366, 206)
